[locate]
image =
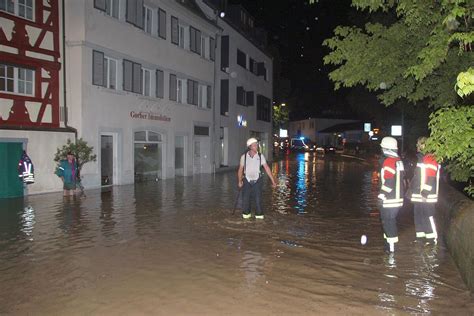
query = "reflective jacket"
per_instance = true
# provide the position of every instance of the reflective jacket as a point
(391, 182)
(26, 169)
(425, 182)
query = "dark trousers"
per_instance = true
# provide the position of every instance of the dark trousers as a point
(389, 221)
(423, 212)
(252, 192)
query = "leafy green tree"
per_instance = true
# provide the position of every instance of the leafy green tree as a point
(414, 59)
(81, 151)
(280, 117)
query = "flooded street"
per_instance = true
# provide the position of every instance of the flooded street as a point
(173, 247)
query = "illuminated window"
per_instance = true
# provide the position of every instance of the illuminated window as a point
(16, 80)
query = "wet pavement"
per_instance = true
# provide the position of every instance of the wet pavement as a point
(173, 247)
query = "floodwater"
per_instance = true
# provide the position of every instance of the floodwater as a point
(174, 247)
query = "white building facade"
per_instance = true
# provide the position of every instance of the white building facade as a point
(140, 81)
(244, 84)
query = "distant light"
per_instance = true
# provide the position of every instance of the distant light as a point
(371, 133)
(396, 130)
(367, 127)
(307, 28)
(301, 138)
(222, 14)
(283, 104)
(383, 85)
(283, 132)
(301, 55)
(316, 18)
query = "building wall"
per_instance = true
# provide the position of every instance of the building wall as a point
(97, 110)
(235, 135)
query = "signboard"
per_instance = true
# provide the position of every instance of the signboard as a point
(396, 130)
(149, 116)
(367, 127)
(283, 132)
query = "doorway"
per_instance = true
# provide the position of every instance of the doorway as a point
(10, 185)
(107, 159)
(179, 155)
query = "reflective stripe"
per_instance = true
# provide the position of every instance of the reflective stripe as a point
(390, 239)
(386, 188)
(430, 166)
(420, 234)
(246, 216)
(61, 168)
(259, 216)
(390, 170)
(426, 187)
(433, 227)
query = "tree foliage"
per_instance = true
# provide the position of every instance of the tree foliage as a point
(81, 151)
(416, 58)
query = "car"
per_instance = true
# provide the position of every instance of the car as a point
(302, 144)
(329, 149)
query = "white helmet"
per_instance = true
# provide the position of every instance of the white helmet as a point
(389, 143)
(250, 141)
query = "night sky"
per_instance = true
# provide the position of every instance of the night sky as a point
(296, 29)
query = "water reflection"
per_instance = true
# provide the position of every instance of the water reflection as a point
(301, 182)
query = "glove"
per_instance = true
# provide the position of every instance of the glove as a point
(382, 197)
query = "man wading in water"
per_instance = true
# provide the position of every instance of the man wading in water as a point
(250, 179)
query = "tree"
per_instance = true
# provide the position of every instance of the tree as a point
(413, 59)
(280, 117)
(81, 151)
(452, 134)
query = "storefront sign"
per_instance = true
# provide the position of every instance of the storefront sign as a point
(149, 116)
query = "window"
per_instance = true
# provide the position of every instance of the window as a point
(194, 40)
(253, 66)
(111, 73)
(263, 108)
(261, 70)
(104, 70)
(132, 77)
(212, 49)
(201, 130)
(204, 96)
(110, 7)
(146, 73)
(241, 58)
(162, 23)
(249, 98)
(224, 52)
(21, 8)
(134, 14)
(160, 84)
(147, 19)
(181, 90)
(193, 92)
(17, 80)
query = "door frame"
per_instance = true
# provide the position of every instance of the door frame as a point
(115, 176)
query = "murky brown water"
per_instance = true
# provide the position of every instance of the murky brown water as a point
(173, 248)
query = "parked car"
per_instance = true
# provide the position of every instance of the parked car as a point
(302, 144)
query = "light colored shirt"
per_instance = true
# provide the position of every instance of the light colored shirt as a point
(252, 168)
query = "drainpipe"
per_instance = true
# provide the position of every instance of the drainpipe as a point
(64, 72)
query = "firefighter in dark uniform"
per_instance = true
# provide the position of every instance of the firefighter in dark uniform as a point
(424, 193)
(391, 191)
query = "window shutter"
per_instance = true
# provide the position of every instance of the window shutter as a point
(241, 58)
(261, 69)
(127, 75)
(251, 65)
(225, 97)
(249, 99)
(173, 92)
(212, 49)
(174, 30)
(139, 12)
(209, 96)
(198, 42)
(190, 92)
(98, 67)
(162, 23)
(160, 84)
(192, 39)
(131, 14)
(99, 4)
(195, 93)
(137, 78)
(224, 52)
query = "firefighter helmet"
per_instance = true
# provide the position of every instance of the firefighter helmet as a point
(389, 143)
(250, 141)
